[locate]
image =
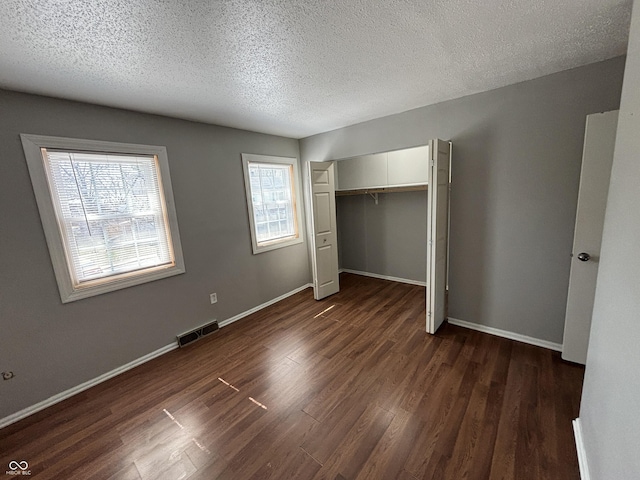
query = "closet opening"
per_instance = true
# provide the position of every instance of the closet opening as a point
(376, 215)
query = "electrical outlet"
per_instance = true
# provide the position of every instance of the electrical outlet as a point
(7, 375)
(213, 297)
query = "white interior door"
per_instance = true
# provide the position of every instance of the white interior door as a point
(597, 158)
(324, 238)
(437, 232)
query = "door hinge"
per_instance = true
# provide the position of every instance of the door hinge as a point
(428, 314)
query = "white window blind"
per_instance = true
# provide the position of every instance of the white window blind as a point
(107, 212)
(110, 211)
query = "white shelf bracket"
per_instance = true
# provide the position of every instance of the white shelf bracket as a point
(374, 196)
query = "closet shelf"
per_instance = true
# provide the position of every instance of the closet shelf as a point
(365, 191)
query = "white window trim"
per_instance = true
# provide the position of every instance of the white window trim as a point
(32, 145)
(280, 243)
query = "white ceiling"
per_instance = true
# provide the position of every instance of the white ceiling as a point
(295, 67)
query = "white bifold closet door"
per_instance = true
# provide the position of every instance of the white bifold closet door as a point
(324, 241)
(437, 232)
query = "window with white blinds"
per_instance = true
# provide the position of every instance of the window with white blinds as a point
(112, 219)
(110, 211)
(271, 185)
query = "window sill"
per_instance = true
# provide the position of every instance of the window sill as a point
(275, 244)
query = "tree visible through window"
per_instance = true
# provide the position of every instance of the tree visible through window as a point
(108, 213)
(110, 209)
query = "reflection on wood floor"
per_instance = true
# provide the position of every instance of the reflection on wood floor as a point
(350, 387)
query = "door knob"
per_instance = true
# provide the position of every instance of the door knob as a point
(584, 257)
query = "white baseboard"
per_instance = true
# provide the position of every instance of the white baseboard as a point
(84, 386)
(461, 323)
(384, 277)
(582, 454)
(235, 318)
(117, 371)
(506, 334)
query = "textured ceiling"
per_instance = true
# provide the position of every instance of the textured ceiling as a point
(295, 68)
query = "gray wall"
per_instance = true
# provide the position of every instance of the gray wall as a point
(52, 347)
(516, 166)
(611, 393)
(388, 239)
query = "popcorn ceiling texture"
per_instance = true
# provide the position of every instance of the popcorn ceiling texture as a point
(295, 68)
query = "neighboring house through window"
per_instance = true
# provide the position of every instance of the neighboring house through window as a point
(108, 213)
(272, 188)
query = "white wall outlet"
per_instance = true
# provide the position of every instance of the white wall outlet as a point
(213, 297)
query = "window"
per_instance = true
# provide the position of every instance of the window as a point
(107, 211)
(272, 187)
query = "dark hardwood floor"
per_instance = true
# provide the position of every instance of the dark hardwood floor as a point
(350, 387)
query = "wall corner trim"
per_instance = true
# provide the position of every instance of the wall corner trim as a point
(506, 334)
(13, 418)
(582, 453)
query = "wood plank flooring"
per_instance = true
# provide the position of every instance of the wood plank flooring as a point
(350, 387)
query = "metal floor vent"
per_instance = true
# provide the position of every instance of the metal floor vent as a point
(193, 335)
